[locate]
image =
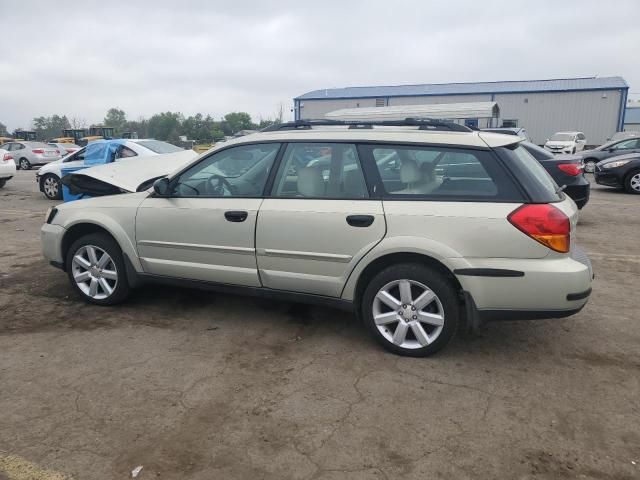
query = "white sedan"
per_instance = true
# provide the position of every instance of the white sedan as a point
(48, 177)
(7, 167)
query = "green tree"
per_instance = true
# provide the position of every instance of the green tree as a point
(166, 126)
(237, 121)
(116, 118)
(50, 127)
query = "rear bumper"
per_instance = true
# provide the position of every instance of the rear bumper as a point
(579, 193)
(7, 169)
(527, 288)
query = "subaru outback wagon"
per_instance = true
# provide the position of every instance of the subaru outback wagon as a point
(419, 227)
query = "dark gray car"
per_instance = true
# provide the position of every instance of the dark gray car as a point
(608, 150)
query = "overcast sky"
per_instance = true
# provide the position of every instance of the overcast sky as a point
(81, 58)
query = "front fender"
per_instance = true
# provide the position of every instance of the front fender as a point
(409, 244)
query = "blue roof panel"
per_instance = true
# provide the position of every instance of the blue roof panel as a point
(632, 115)
(554, 85)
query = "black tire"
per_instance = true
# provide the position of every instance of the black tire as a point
(3, 182)
(573, 151)
(627, 181)
(428, 277)
(57, 192)
(109, 245)
(24, 164)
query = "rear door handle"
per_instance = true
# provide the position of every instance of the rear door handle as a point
(236, 215)
(360, 220)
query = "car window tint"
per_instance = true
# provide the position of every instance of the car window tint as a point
(439, 173)
(126, 152)
(625, 145)
(240, 171)
(320, 170)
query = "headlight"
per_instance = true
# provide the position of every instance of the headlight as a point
(615, 164)
(51, 214)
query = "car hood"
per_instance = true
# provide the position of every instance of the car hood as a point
(617, 158)
(126, 175)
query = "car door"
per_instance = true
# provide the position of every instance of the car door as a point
(319, 220)
(204, 229)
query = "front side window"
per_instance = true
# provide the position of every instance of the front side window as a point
(320, 170)
(125, 152)
(78, 156)
(440, 173)
(240, 171)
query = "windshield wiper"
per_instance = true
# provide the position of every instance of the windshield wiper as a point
(560, 189)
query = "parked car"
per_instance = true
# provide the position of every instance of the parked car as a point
(31, 154)
(566, 142)
(567, 171)
(608, 150)
(48, 177)
(65, 148)
(463, 228)
(622, 171)
(519, 132)
(7, 167)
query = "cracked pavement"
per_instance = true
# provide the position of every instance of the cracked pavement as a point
(199, 385)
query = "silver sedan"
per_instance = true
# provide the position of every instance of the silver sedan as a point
(29, 154)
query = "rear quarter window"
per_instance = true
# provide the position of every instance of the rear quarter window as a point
(441, 173)
(532, 176)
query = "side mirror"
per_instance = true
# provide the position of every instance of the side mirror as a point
(161, 187)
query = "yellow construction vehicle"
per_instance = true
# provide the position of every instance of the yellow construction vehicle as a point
(24, 135)
(4, 140)
(97, 132)
(75, 134)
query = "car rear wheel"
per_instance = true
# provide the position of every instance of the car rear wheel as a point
(50, 186)
(632, 182)
(411, 309)
(96, 270)
(24, 164)
(590, 165)
(3, 182)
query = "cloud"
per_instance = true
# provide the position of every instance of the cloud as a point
(215, 57)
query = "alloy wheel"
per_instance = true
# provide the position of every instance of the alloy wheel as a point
(634, 182)
(408, 314)
(24, 164)
(590, 167)
(94, 272)
(50, 186)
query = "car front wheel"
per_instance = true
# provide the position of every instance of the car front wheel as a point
(632, 182)
(50, 185)
(96, 269)
(411, 309)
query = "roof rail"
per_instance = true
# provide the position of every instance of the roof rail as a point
(421, 123)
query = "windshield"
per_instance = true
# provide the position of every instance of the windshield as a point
(563, 137)
(159, 147)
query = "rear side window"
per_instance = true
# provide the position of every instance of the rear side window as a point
(321, 170)
(441, 173)
(533, 177)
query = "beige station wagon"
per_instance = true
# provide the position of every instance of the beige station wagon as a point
(419, 227)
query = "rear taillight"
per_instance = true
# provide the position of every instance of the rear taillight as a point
(572, 169)
(38, 150)
(545, 224)
(7, 157)
(70, 150)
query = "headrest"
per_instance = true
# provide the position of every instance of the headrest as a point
(409, 172)
(310, 182)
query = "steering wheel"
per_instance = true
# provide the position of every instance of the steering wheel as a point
(219, 188)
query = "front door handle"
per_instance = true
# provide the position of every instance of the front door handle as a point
(360, 220)
(236, 215)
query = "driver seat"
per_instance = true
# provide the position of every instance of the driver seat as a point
(310, 182)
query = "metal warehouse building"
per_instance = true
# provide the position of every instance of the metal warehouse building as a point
(593, 105)
(632, 119)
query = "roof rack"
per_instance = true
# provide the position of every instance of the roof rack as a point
(421, 123)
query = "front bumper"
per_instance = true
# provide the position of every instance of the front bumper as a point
(533, 288)
(607, 178)
(51, 239)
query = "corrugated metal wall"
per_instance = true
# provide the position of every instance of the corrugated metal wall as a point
(596, 113)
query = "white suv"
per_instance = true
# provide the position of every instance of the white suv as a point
(420, 227)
